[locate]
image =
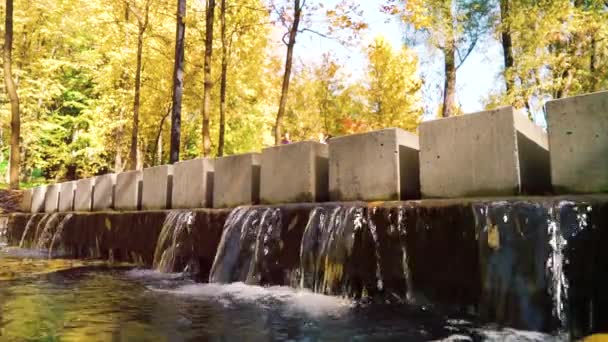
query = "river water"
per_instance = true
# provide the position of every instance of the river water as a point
(73, 300)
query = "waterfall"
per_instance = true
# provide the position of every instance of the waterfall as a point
(44, 236)
(58, 235)
(30, 223)
(330, 250)
(249, 247)
(3, 232)
(174, 246)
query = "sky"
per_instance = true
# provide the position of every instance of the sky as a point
(476, 78)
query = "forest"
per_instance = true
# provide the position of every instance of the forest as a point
(99, 86)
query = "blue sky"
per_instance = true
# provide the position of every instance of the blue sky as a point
(476, 78)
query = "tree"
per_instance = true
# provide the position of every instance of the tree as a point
(223, 80)
(209, 19)
(393, 90)
(11, 89)
(291, 42)
(142, 25)
(451, 26)
(344, 17)
(178, 82)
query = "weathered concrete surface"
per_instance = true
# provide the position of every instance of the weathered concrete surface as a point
(192, 184)
(491, 153)
(26, 201)
(66, 196)
(128, 191)
(51, 198)
(236, 180)
(157, 187)
(103, 196)
(38, 198)
(295, 173)
(83, 198)
(374, 166)
(578, 138)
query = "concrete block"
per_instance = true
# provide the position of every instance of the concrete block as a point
(578, 141)
(236, 180)
(51, 198)
(26, 201)
(66, 196)
(83, 198)
(128, 191)
(38, 198)
(294, 173)
(192, 184)
(156, 189)
(493, 153)
(375, 166)
(103, 196)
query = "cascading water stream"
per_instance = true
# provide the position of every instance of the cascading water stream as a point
(30, 223)
(172, 247)
(57, 236)
(44, 236)
(250, 239)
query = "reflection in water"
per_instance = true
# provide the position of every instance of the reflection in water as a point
(69, 300)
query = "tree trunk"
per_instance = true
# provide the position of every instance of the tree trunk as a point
(293, 31)
(449, 51)
(133, 156)
(13, 97)
(178, 82)
(449, 89)
(223, 80)
(158, 142)
(210, 16)
(506, 44)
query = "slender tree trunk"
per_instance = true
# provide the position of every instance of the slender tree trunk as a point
(449, 88)
(178, 82)
(287, 75)
(223, 81)
(449, 50)
(14, 98)
(507, 44)
(133, 156)
(593, 66)
(210, 17)
(158, 143)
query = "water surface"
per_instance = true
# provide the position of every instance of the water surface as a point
(73, 300)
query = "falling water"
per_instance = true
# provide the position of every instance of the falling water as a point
(250, 241)
(3, 232)
(171, 243)
(327, 260)
(44, 236)
(30, 223)
(58, 235)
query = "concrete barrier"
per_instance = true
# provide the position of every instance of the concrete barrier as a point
(156, 190)
(491, 153)
(83, 198)
(128, 191)
(236, 180)
(38, 198)
(578, 140)
(103, 196)
(51, 198)
(294, 173)
(375, 166)
(26, 201)
(192, 184)
(66, 196)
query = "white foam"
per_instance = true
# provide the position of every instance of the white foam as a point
(297, 300)
(139, 273)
